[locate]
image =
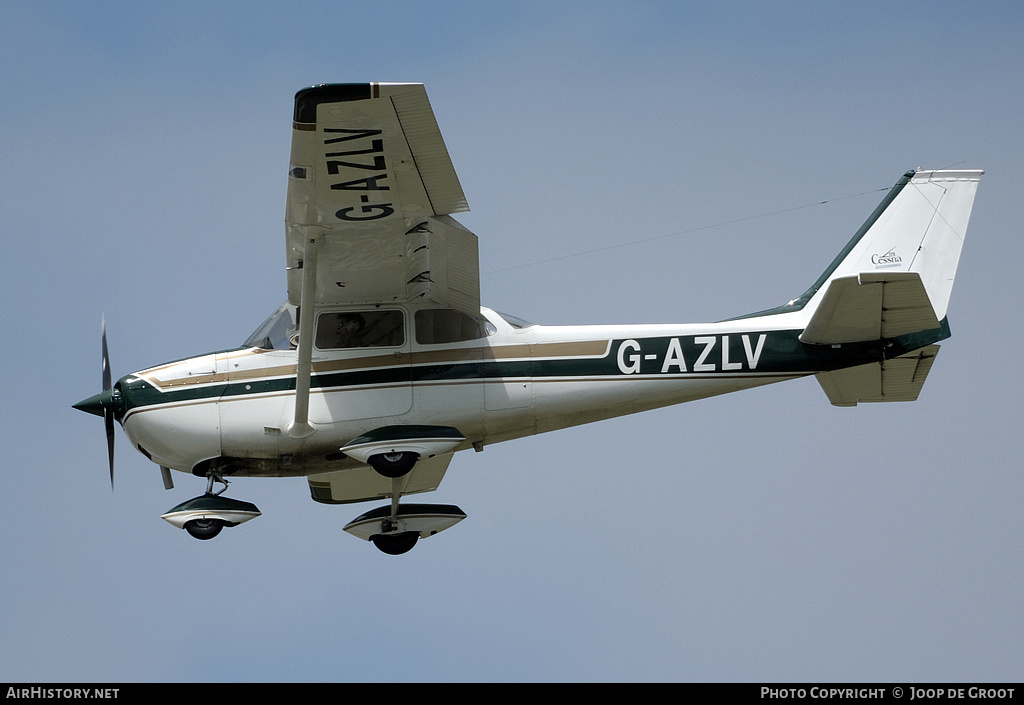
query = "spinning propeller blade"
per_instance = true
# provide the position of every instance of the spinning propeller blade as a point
(108, 411)
(106, 357)
(102, 404)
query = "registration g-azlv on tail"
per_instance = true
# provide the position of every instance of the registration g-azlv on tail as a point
(382, 364)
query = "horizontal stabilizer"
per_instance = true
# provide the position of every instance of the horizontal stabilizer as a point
(898, 379)
(871, 306)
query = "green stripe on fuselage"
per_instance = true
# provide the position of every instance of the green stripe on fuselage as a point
(755, 353)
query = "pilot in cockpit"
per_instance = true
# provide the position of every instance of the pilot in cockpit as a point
(350, 325)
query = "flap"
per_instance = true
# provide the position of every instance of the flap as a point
(363, 483)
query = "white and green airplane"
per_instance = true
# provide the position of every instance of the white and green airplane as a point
(382, 363)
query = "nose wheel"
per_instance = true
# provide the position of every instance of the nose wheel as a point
(205, 516)
(204, 529)
(207, 528)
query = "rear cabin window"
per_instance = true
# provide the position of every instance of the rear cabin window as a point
(360, 329)
(446, 325)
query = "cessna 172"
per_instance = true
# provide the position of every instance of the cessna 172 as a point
(382, 363)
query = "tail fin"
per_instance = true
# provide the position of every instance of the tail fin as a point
(893, 280)
(895, 276)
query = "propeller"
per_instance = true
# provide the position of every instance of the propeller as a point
(102, 404)
(108, 409)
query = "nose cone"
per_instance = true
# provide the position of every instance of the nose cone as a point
(96, 403)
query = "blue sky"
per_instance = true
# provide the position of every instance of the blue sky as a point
(753, 537)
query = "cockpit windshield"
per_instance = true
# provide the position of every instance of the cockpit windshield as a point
(515, 321)
(279, 332)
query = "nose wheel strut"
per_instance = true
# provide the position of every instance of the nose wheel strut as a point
(211, 477)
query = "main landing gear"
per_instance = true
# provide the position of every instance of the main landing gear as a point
(393, 452)
(395, 529)
(393, 465)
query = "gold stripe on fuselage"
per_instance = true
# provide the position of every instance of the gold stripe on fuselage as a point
(398, 358)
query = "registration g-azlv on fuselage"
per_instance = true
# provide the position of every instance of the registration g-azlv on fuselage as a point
(382, 363)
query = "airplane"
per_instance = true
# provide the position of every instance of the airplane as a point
(382, 363)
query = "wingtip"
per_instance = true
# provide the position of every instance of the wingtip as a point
(307, 99)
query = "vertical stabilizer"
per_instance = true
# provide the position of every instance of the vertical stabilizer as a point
(918, 230)
(892, 282)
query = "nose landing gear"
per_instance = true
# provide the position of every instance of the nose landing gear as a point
(204, 517)
(203, 529)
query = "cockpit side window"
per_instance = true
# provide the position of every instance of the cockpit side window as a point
(360, 329)
(445, 325)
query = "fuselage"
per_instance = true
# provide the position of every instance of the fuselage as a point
(506, 381)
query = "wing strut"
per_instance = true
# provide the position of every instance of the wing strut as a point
(300, 427)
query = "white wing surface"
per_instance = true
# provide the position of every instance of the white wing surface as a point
(370, 183)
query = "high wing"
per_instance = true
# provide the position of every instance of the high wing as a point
(370, 190)
(370, 186)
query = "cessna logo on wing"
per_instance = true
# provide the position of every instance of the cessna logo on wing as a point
(359, 151)
(702, 353)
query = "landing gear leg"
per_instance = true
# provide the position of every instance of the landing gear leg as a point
(392, 540)
(214, 476)
(397, 485)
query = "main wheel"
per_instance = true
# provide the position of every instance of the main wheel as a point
(204, 529)
(393, 464)
(395, 544)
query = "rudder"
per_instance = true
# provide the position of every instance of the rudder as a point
(919, 230)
